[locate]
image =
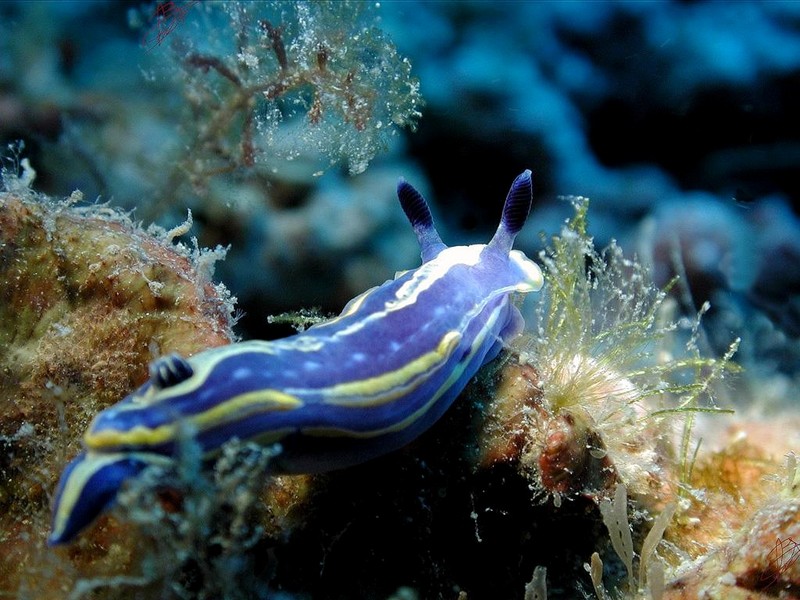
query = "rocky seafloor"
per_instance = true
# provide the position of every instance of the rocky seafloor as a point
(637, 441)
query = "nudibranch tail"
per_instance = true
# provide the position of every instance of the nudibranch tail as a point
(515, 212)
(89, 485)
(419, 215)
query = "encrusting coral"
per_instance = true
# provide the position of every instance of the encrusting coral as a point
(738, 532)
(87, 300)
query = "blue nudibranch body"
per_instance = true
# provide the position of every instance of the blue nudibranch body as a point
(360, 385)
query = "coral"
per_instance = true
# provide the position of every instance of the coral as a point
(87, 299)
(324, 63)
(707, 240)
(593, 399)
(129, 120)
(602, 96)
(743, 262)
(742, 530)
(331, 244)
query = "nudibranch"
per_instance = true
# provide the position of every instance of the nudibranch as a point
(352, 388)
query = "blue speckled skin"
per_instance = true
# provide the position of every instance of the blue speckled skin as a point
(342, 392)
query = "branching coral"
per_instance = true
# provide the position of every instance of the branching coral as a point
(283, 62)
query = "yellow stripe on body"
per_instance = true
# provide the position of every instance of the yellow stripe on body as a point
(398, 382)
(237, 407)
(417, 414)
(343, 394)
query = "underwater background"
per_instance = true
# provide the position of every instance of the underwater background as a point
(283, 127)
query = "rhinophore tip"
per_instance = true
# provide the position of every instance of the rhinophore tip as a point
(414, 205)
(419, 215)
(515, 211)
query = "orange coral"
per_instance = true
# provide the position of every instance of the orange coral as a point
(86, 301)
